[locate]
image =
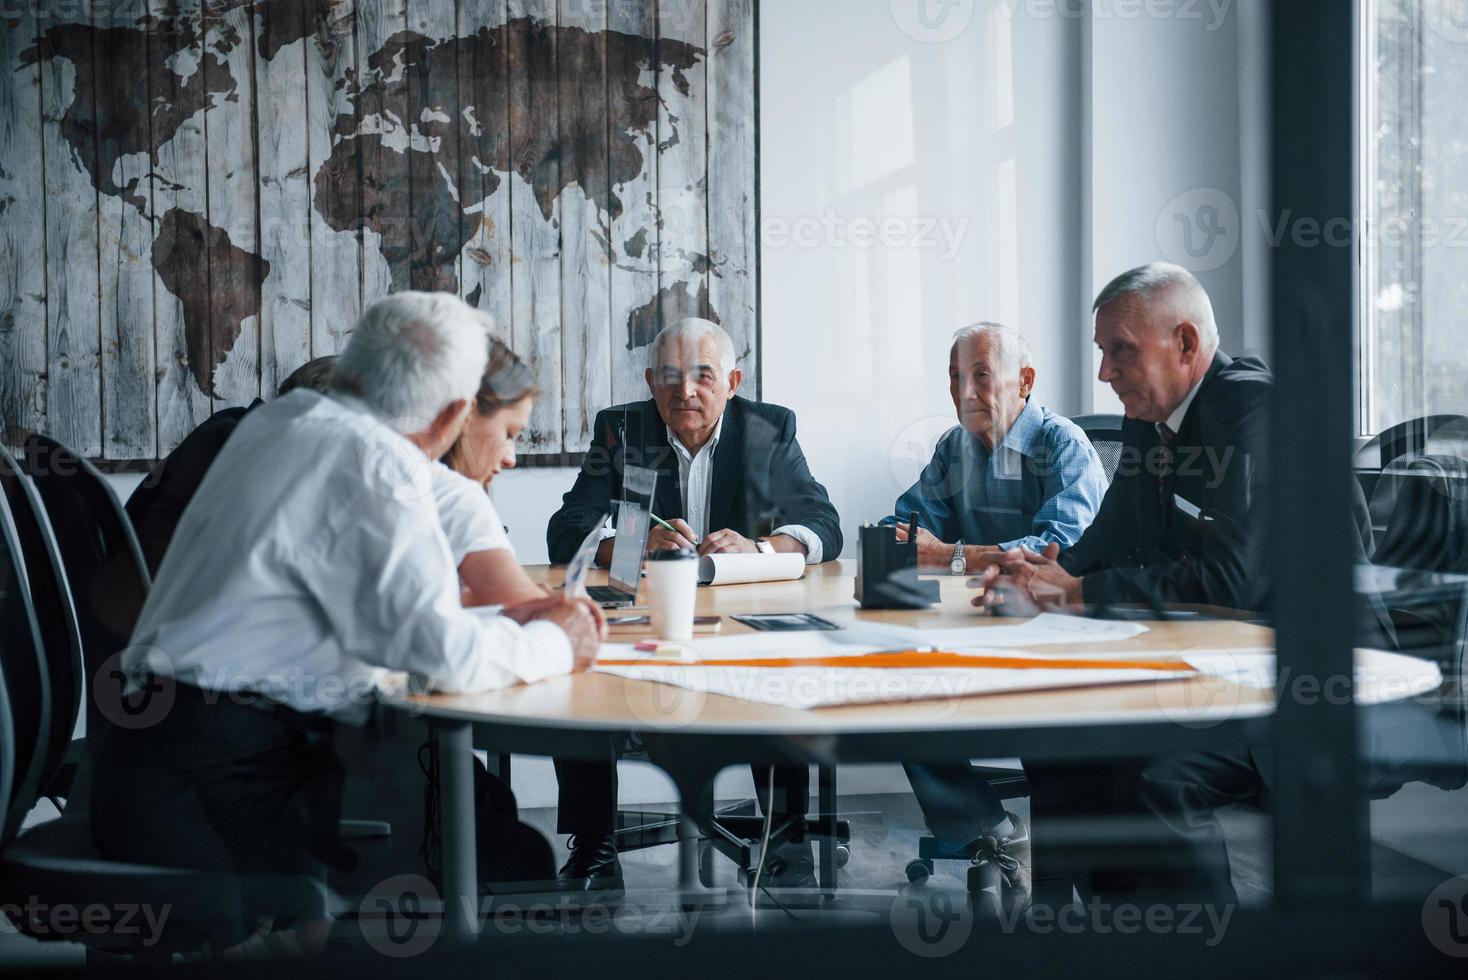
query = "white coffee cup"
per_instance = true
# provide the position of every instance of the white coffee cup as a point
(672, 592)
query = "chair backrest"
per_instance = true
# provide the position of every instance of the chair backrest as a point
(1426, 527)
(7, 753)
(26, 680)
(51, 598)
(98, 549)
(1104, 431)
(1426, 533)
(1417, 435)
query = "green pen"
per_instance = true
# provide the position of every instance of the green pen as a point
(667, 525)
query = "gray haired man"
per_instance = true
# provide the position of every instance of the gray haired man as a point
(310, 559)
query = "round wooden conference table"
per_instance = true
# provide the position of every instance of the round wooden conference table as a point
(694, 735)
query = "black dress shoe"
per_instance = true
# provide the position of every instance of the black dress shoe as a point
(791, 866)
(592, 867)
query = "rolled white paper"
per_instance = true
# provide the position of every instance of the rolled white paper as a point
(760, 567)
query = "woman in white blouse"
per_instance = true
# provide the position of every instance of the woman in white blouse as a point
(488, 570)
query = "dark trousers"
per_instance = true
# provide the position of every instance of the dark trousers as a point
(957, 803)
(1139, 827)
(588, 794)
(219, 786)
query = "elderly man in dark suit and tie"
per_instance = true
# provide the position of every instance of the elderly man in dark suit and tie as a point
(731, 478)
(1183, 522)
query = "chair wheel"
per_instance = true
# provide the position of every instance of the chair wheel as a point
(919, 870)
(843, 855)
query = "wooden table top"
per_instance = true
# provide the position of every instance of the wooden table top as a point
(606, 702)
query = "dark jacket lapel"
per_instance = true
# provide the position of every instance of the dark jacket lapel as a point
(1188, 454)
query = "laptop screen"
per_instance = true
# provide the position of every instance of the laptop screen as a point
(633, 520)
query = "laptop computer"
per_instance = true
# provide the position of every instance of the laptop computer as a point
(633, 522)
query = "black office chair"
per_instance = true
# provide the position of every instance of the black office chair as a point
(104, 568)
(29, 682)
(1104, 431)
(55, 864)
(1426, 540)
(738, 829)
(1431, 434)
(56, 618)
(99, 551)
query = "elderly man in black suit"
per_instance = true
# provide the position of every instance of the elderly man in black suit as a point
(731, 478)
(1184, 521)
(1181, 521)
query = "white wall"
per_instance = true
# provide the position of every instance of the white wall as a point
(1058, 139)
(979, 134)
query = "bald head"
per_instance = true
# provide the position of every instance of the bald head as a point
(1157, 336)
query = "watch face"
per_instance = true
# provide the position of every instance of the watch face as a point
(957, 566)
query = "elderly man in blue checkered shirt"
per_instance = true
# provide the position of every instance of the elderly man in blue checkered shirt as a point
(1011, 474)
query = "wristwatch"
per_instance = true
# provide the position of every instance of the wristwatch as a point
(764, 546)
(959, 564)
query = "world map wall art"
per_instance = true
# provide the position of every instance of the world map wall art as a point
(199, 196)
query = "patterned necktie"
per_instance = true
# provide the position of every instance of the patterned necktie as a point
(1168, 439)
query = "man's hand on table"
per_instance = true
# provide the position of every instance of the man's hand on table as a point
(581, 619)
(726, 542)
(930, 551)
(1023, 583)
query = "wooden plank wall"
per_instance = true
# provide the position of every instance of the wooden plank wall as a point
(582, 170)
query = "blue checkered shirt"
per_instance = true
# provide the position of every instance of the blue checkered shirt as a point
(1042, 483)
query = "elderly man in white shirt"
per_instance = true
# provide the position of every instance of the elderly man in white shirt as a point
(310, 560)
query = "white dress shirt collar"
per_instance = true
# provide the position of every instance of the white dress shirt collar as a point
(695, 478)
(707, 448)
(696, 486)
(1175, 420)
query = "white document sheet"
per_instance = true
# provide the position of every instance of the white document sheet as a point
(737, 569)
(1044, 628)
(1381, 677)
(822, 687)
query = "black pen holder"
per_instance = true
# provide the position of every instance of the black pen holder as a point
(886, 572)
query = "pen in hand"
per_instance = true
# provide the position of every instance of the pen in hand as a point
(668, 526)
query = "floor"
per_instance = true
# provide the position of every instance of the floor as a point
(885, 831)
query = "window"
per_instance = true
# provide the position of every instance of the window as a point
(1414, 302)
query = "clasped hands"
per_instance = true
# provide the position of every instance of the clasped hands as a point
(1022, 583)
